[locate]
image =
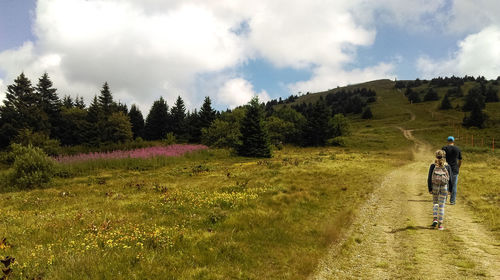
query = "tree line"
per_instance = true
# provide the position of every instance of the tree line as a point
(474, 101)
(39, 110)
(37, 113)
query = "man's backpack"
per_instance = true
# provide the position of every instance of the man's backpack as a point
(440, 176)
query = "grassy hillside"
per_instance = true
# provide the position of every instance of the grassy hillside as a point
(215, 216)
(478, 181)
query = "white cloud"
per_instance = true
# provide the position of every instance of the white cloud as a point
(142, 54)
(478, 54)
(150, 48)
(472, 16)
(328, 76)
(416, 15)
(2, 90)
(239, 91)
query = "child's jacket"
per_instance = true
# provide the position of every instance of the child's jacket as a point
(429, 178)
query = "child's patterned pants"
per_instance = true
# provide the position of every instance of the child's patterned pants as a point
(439, 194)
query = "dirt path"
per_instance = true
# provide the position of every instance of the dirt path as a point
(391, 237)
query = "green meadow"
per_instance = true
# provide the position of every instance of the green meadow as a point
(209, 216)
(213, 215)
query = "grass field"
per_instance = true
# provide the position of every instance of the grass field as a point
(211, 215)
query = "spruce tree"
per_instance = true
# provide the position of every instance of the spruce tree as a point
(178, 118)
(50, 104)
(68, 102)
(75, 127)
(473, 98)
(491, 94)
(476, 118)
(22, 108)
(106, 102)
(157, 121)
(414, 97)
(137, 121)
(445, 103)
(317, 130)
(431, 95)
(121, 107)
(94, 132)
(367, 114)
(254, 138)
(460, 92)
(79, 103)
(207, 114)
(193, 121)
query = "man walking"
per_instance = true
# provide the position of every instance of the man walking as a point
(454, 159)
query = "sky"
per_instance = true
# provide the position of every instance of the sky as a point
(232, 50)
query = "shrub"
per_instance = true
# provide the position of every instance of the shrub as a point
(340, 125)
(170, 139)
(221, 134)
(38, 139)
(367, 114)
(32, 167)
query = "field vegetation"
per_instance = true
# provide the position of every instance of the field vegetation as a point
(212, 215)
(208, 215)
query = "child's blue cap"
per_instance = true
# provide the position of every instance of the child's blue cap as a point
(451, 139)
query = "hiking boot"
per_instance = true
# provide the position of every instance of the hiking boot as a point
(440, 227)
(434, 223)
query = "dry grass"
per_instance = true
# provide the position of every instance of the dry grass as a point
(210, 216)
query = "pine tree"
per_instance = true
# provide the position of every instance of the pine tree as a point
(178, 118)
(431, 95)
(207, 114)
(445, 103)
(94, 131)
(255, 141)
(137, 121)
(121, 107)
(75, 128)
(414, 97)
(317, 130)
(473, 98)
(68, 102)
(79, 103)
(193, 121)
(460, 92)
(157, 121)
(50, 104)
(476, 118)
(367, 114)
(22, 109)
(106, 102)
(491, 94)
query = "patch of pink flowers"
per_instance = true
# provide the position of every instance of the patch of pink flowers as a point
(167, 151)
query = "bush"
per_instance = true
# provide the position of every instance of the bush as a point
(337, 141)
(32, 167)
(221, 134)
(41, 140)
(170, 139)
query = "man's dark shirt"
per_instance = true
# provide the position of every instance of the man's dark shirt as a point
(453, 154)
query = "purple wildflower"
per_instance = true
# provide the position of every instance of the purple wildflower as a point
(167, 151)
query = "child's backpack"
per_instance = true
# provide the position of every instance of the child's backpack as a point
(440, 176)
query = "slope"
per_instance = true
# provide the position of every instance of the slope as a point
(391, 238)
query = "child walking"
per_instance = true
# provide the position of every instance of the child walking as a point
(439, 182)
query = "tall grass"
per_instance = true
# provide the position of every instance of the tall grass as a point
(206, 215)
(93, 166)
(479, 188)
